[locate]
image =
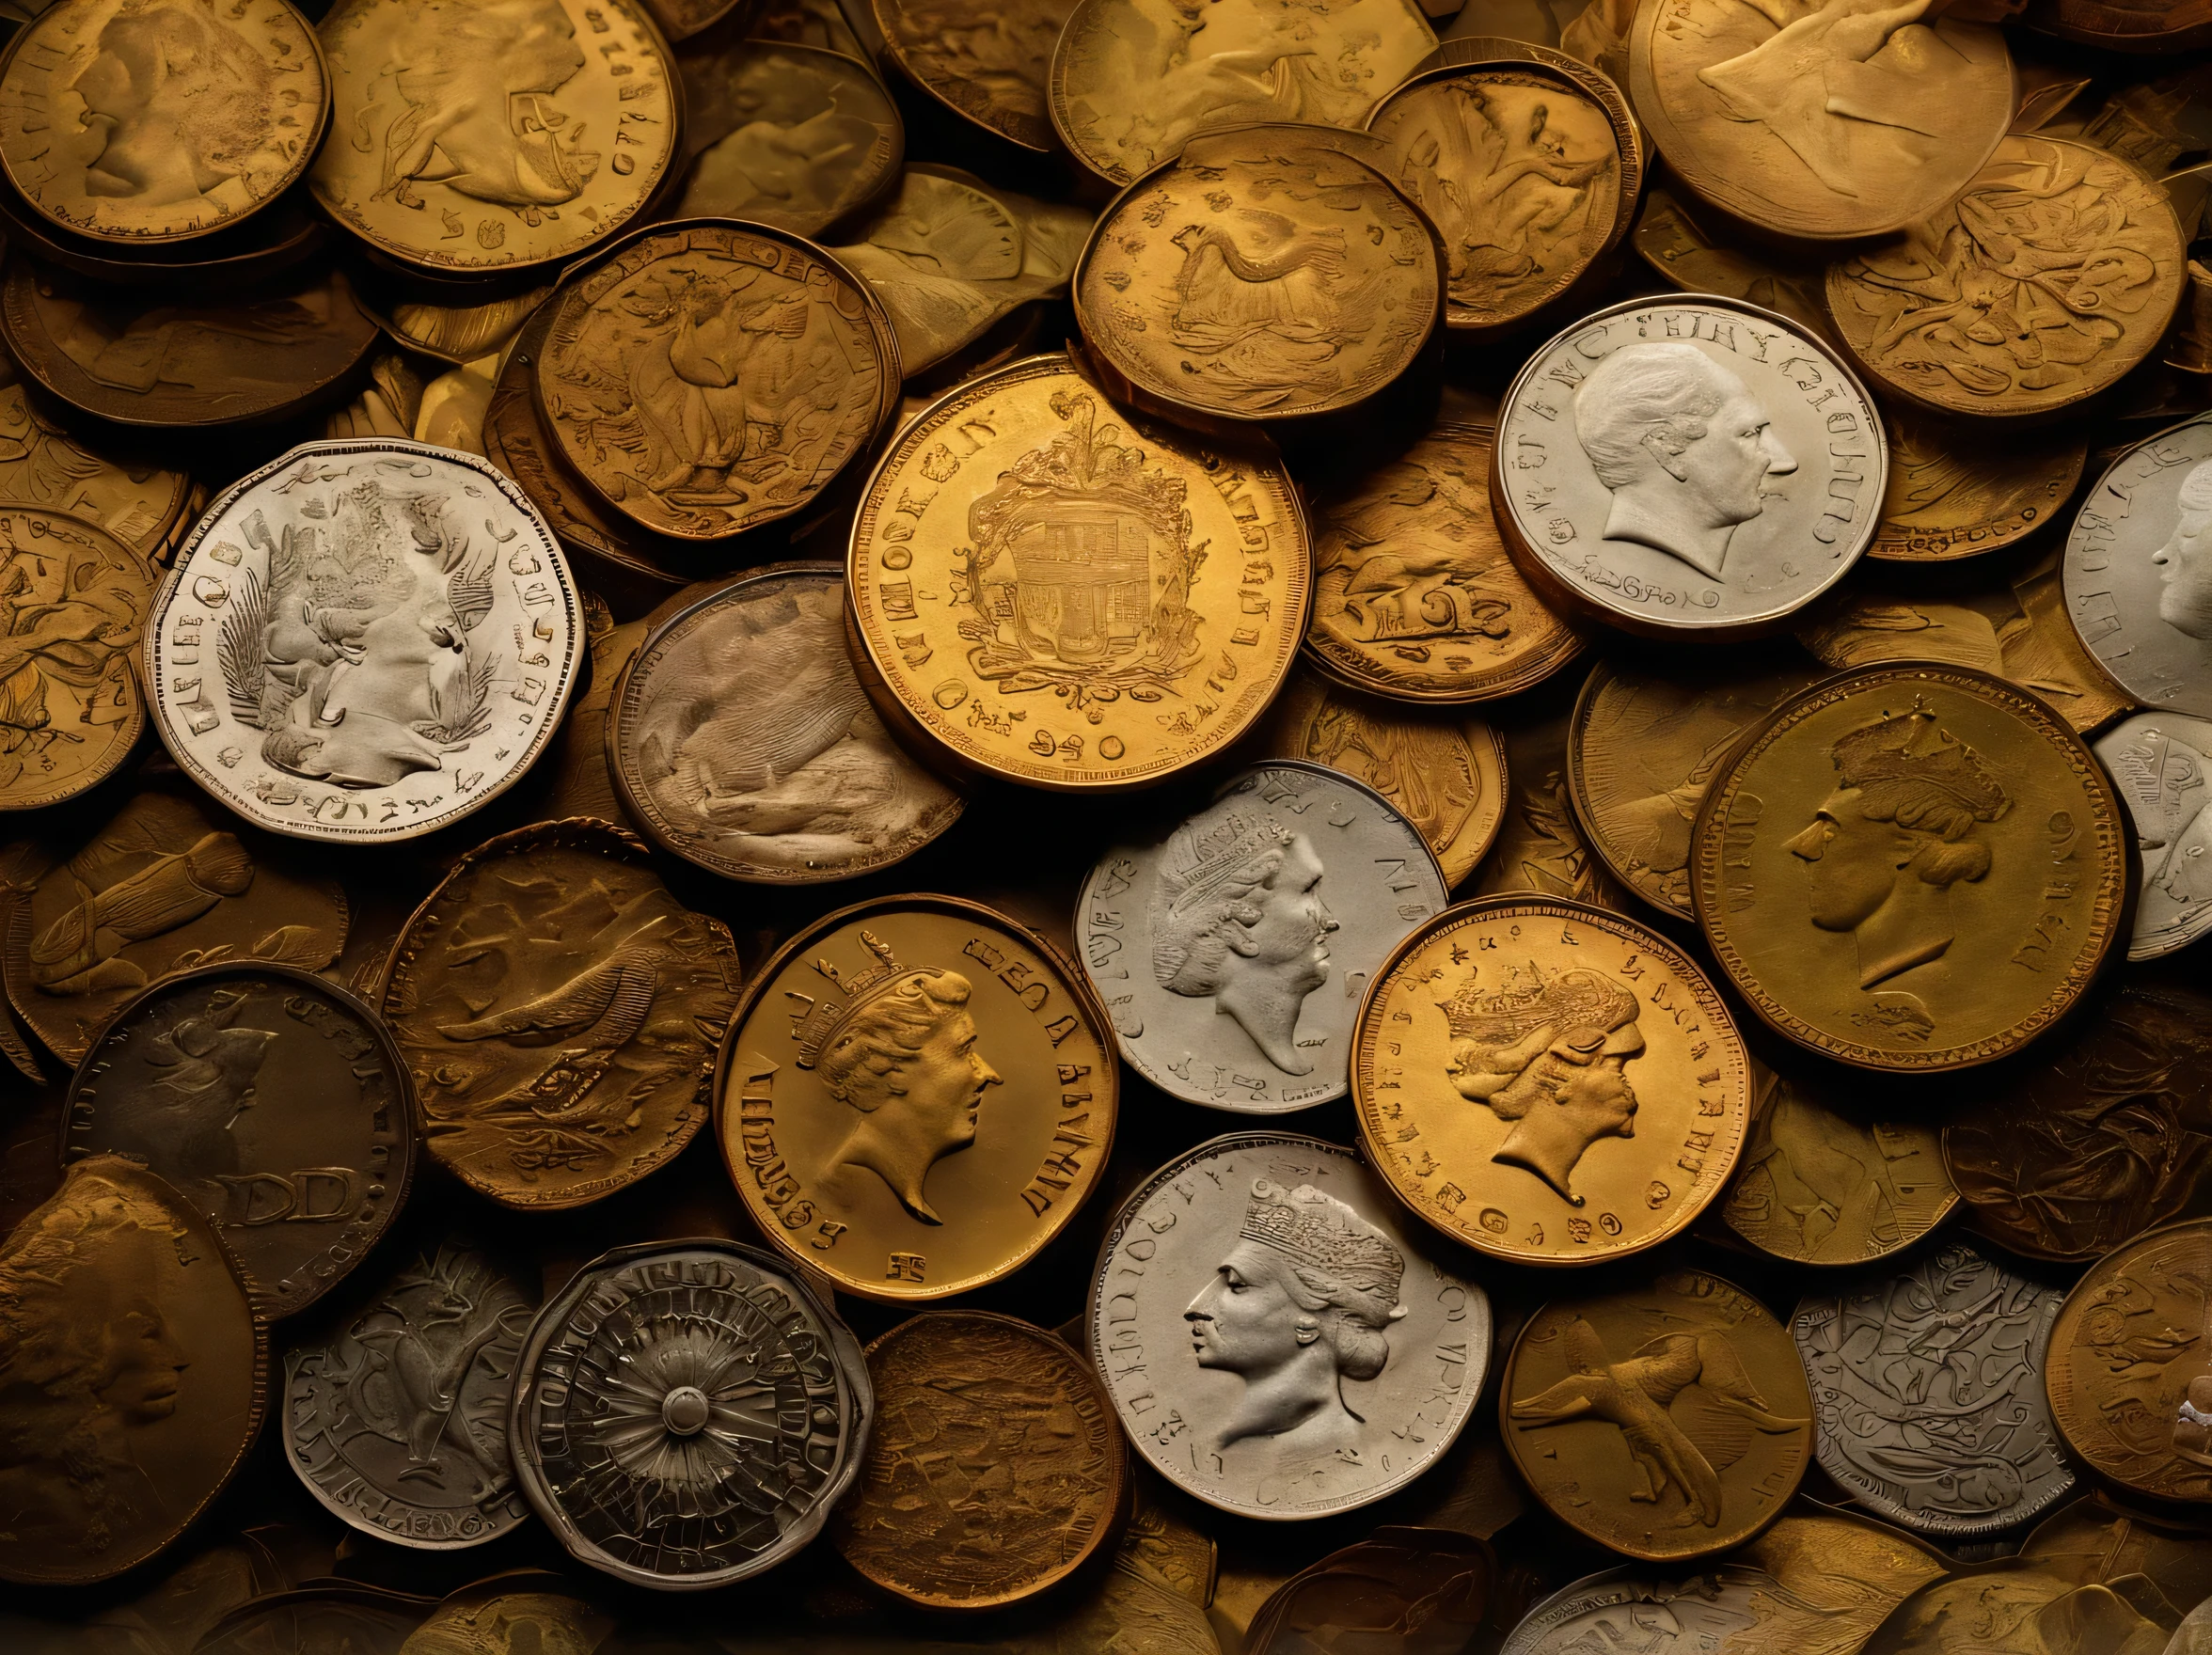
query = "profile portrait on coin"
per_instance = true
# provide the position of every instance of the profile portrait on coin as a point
(1682, 445)
(1548, 1054)
(1239, 918)
(188, 102)
(1303, 1302)
(2184, 592)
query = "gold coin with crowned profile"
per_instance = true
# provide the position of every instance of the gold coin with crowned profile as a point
(915, 1095)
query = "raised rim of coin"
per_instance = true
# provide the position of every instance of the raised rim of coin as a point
(1033, 132)
(2165, 925)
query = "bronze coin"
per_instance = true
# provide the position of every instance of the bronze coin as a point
(1956, 491)
(789, 136)
(42, 465)
(985, 62)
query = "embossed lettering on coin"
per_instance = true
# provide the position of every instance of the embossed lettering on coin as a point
(1957, 490)
(2162, 765)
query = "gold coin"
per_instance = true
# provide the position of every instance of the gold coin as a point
(1691, 261)
(477, 138)
(1543, 848)
(915, 1095)
(986, 63)
(1414, 597)
(1911, 867)
(617, 381)
(142, 123)
(1668, 1420)
(1957, 490)
(1050, 594)
(42, 465)
(1937, 316)
(1261, 274)
(1549, 1082)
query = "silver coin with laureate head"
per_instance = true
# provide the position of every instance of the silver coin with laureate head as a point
(1277, 1338)
(1232, 952)
(1687, 468)
(2162, 766)
(363, 641)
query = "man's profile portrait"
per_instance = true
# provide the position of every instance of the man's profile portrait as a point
(1239, 917)
(2185, 594)
(1303, 1302)
(1884, 848)
(1547, 1052)
(186, 101)
(1684, 446)
(900, 1052)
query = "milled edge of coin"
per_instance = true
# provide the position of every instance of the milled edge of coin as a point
(845, 1357)
(1105, 1086)
(622, 755)
(549, 717)
(407, 1140)
(1711, 1005)
(1707, 851)
(1035, 133)
(1118, 1456)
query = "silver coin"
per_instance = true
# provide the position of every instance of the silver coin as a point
(1689, 466)
(1646, 1610)
(1233, 953)
(2161, 764)
(1928, 1395)
(397, 1418)
(1277, 1340)
(2137, 573)
(686, 1414)
(363, 641)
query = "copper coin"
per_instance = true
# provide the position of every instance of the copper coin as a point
(987, 63)
(788, 136)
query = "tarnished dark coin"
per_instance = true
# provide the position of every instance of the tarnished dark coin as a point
(686, 1416)
(349, 1619)
(1432, 1583)
(791, 137)
(134, 1369)
(560, 1011)
(276, 1104)
(396, 1418)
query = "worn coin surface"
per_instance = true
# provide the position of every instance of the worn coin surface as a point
(1263, 274)
(2161, 764)
(1130, 87)
(1643, 748)
(42, 465)
(790, 137)
(1437, 1579)
(2130, 1366)
(1232, 952)
(1911, 867)
(1957, 490)
(1054, 596)
(1931, 316)
(358, 1619)
(1513, 1093)
(988, 63)
(1725, 87)
(2128, 25)
(686, 1416)
(916, 1095)
(2139, 570)
(477, 138)
(1687, 469)
(135, 1369)
(396, 1417)
(559, 1011)
(1414, 597)
(742, 740)
(1667, 1421)
(516, 1612)
(364, 640)
(274, 1101)
(1542, 848)
(706, 377)
(996, 1468)
(1276, 1338)
(136, 123)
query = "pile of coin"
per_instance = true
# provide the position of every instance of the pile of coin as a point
(1376, 827)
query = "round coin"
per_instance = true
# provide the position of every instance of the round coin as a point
(619, 389)
(1263, 274)
(1276, 1339)
(996, 1468)
(988, 63)
(1231, 952)
(136, 123)
(1512, 1091)
(1911, 867)
(43, 465)
(513, 134)
(396, 1418)
(743, 742)
(274, 1101)
(1687, 469)
(1668, 1420)
(686, 1416)
(2161, 764)
(789, 136)
(1928, 1388)
(2128, 25)
(916, 1095)
(1957, 490)
(517, 1611)
(134, 1368)
(1927, 316)
(2139, 570)
(559, 1011)
(1099, 605)
(364, 640)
